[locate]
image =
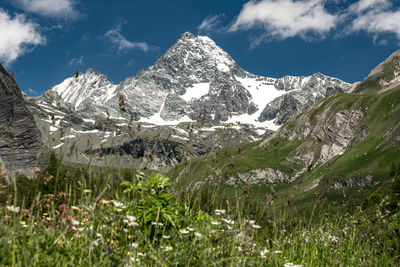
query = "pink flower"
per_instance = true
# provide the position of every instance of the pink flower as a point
(62, 207)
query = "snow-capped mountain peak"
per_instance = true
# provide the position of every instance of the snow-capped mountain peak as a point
(195, 79)
(89, 87)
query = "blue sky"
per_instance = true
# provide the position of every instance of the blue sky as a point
(45, 41)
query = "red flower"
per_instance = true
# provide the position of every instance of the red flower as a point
(62, 207)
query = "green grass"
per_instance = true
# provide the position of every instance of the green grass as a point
(136, 220)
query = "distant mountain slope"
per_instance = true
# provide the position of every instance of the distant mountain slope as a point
(196, 80)
(20, 140)
(195, 95)
(384, 77)
(345, 143)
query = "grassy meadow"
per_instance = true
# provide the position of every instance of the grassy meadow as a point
(87, 216)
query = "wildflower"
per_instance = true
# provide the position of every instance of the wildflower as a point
(157, 223)
(103, 201)
(263, 252)
(250, 221)
(215, 223)
(167, 248)
(119, 205)
(166, 236)
(228, 221)
(289, 264)
(255, 226)
(197, 234)
(190, 229)
(142, 254)
(131, 218)
(183, 231)
(75, 208)
(277, 251)
(62, 207)
(135, 245)
(131, 221)
(13, 209)
(87, 191)
(134, 259)
(48, 218)
(98, 235)
(220, 212)
(75, 222)
(22, 223)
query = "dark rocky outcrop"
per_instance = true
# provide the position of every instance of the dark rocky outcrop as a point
(20, 140)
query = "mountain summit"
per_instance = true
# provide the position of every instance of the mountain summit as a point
(197, 80)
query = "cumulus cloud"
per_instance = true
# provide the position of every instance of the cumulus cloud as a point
(63, 9)
(281, 19)
(209, 23)
(114, 36)
(17, 36)
(375, 17)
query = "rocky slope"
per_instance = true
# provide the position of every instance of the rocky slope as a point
(345, 143)
(20, 140)
(195, 79)
(195, 94)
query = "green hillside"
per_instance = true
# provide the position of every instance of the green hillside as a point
(369, 129)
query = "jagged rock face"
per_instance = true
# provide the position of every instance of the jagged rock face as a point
(194, 83)
(309, 91)
(385, 76)
(20, 140)
(196, 80)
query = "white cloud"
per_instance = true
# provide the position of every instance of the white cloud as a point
(363, 5)
(49, 8)
(115, 37)
(17, 36)
(283, 19)
(375, 17)
(209, 23)
(76, 61)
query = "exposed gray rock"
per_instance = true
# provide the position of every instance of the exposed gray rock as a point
(20, 140)
(196, 78)
(309, 91)
(267, 175)
(353, 182)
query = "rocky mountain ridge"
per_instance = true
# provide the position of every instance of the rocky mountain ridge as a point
(348, 141)
(21, 147)
(195, 95)
(195, 79)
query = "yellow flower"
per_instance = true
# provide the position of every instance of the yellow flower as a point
(119, 210)
(87, 191)
(75, 208)
(59, 242)
(48, 218)
(7, 217)
(85, 220)
(113, 200)
(105, 202)
(129, 253)
(129, 236)
(22, 222)
(45, 214)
